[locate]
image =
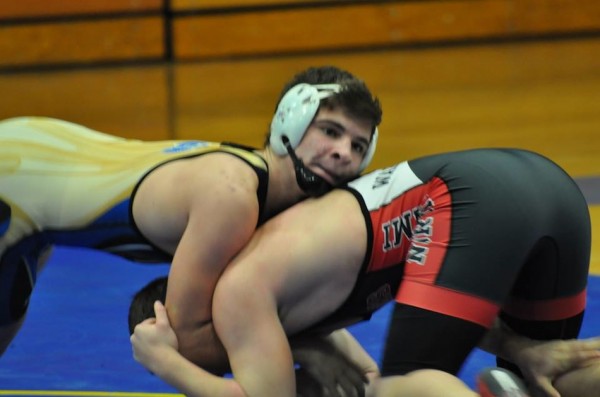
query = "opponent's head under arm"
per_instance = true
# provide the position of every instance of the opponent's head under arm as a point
(142, 304)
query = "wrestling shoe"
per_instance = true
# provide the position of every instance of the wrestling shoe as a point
(499, 382)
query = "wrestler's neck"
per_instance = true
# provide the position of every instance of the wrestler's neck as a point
(283, 190)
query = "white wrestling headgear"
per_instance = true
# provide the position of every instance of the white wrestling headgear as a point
(296, 111)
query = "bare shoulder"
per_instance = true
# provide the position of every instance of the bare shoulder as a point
(211, 189)
(317, 245)
(338, 208)
(306, 236)
(222, 168)
(336, 216)
(185, 181)
(224, 180)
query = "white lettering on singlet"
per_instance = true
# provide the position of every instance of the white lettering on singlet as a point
(382, 186)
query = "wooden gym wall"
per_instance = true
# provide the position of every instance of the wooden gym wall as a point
(36, 33)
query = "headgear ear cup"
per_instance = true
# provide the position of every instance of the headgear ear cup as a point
(370, 151)
(295, 112)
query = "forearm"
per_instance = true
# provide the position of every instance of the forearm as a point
(502, 342)
(155, 346)
(340, 342)
(329, 363)
(349, 346)
(192, 380)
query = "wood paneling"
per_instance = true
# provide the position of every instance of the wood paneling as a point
(539, 96)
(82, 41)
(184, 5)
(595, 257)
(36, 8)
(557, 16)
(72, 32)
(375, 24)
(131, 102)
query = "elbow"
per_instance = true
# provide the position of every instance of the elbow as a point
(203, 347)
(230, 298)
(185, 338)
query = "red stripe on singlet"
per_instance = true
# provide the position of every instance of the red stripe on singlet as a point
(448, 302)
(546, 310)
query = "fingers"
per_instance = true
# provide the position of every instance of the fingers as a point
(331, 390)
(590, 344)
(148, 321)
(161, 314)
(141, 329)
(306, 385)
(545, 388)
(581, 352)
(585, 356)
(352, 384)
(343, 384)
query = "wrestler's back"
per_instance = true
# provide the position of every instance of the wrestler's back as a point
(62, 176)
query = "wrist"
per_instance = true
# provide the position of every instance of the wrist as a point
(164, 361)
(515, 346)
(503, 342)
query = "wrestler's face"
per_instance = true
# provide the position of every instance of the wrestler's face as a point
(334, 145)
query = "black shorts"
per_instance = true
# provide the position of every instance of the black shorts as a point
(518, 246)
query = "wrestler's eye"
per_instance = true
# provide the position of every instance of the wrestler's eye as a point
(359, 147)
(331, 131)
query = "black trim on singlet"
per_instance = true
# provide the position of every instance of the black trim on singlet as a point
(263, 178)
(239, 146)
(368, 224)
(261, 191)
(371, 290)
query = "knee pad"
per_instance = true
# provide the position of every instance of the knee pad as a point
(18, 273)
(16, 286)
(5, 213)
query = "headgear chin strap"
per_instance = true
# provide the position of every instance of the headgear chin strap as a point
(308, 181)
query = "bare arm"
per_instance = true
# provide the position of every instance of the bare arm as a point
(155, 347)
(223, 212)
(298, 268)
(337, 362)
(246, 319)
(347, 344)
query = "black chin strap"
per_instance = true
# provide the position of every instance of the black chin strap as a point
(311, 183)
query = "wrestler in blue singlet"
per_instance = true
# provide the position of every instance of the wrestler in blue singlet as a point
(65, 184)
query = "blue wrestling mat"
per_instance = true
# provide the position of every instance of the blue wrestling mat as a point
(75, 340)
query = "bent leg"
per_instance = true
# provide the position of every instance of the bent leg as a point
(423, 383)
(421, 339)
(7, 334)
(17, 279)
(580, 382)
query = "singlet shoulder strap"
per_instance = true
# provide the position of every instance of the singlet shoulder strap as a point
(259, 164)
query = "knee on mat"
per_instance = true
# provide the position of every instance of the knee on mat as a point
(5, 213)
(16, 286)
